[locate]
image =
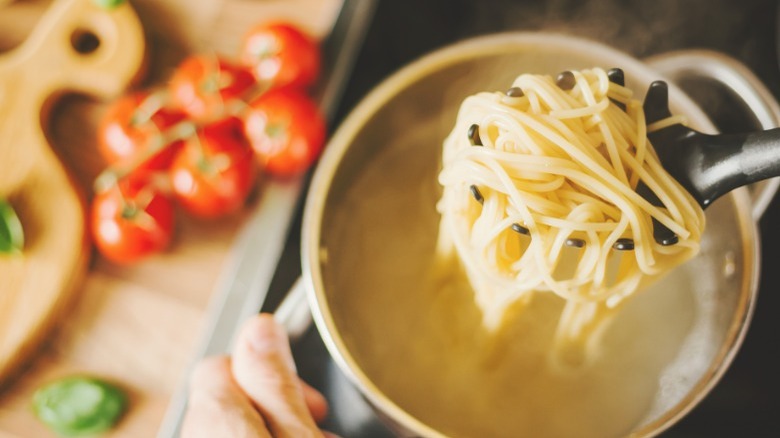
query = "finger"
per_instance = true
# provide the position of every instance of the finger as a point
(264, 368)
(217, 405)
(318, 406)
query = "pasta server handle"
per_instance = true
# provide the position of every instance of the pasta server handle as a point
(709, 166)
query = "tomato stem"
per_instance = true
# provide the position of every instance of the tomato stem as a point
(275, 130)
(210, 83)
(148, 108)
(110, 176)
(106, 180)
(129, 210)
(135, 209)
(203, 163)
(254, 92)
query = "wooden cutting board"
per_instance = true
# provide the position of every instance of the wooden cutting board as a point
(76, 46)
(138, 325)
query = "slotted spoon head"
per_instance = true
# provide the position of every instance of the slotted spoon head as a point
(656, 107)
(676, 145)
(706, 166)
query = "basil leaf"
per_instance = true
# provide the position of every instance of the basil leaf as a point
(79, 406)
(108, 4)
(11, 233)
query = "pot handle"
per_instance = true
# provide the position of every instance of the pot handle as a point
(293, 312)
(736, 77)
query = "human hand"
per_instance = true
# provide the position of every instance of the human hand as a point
(255, 392)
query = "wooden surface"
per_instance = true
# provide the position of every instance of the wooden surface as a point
(137, 326)
(38, 284)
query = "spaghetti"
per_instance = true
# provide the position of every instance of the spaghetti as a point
(539, 195)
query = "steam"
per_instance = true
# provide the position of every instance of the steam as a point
(640, 28)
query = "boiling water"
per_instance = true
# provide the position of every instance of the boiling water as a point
(418, 335)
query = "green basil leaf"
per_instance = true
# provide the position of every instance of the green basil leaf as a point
(79, 406)
(108, 4)
(11, 233)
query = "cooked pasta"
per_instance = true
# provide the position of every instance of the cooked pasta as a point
(539, 196)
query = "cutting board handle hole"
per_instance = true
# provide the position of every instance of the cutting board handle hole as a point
(84, 41)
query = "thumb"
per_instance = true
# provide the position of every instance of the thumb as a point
(217, 406)
(263, 367)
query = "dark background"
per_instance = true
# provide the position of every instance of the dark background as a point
(746, 403)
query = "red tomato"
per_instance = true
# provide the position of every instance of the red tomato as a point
(132, 125)
(215, 171)
(203, 86)
(286, 130)
(279, 55)
(131, 220)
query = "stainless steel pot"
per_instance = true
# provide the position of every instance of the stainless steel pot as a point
(389, 148)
